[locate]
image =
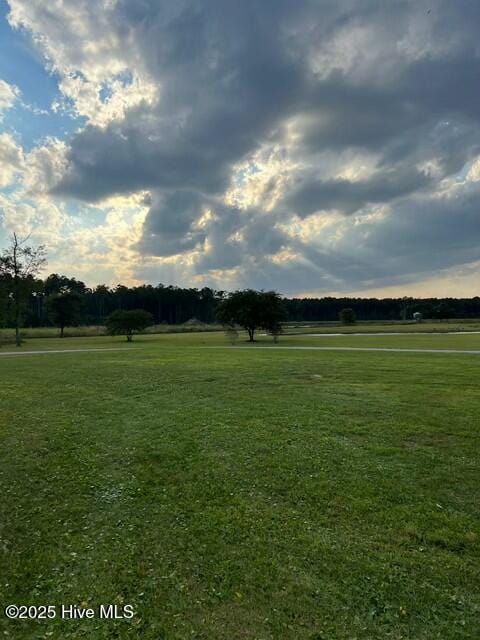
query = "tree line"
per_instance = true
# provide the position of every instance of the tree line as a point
(26, 299)
(329, 308)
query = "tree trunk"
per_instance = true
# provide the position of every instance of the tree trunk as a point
(16, 285)
(251, 333)
(129, 337)
(61, 331)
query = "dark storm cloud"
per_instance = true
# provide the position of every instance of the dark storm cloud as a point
(169, 228)
(175, 225)
(431, 232)
(227, 78)
(239, 238)
(316, 195)
(416, 240)
(403, 85)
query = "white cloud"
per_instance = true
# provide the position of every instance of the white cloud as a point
(474, 172)
(119, 95)
(35, 172)
(101, 75)
(96, 245)
(45, 220)
(44, 165)
(9, 93)
(261, 180)
(11, 159)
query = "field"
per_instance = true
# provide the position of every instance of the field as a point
(291, 328)
(93, 331)
(243, 492)
(431, 326)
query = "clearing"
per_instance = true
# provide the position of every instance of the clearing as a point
(242, 493)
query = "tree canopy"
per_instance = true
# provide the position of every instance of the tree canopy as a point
(253, 310)
(64, 309)
(127, 322)
(347, 316)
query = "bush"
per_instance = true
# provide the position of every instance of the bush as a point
(231, 334)
(347, 316)
(128, 322)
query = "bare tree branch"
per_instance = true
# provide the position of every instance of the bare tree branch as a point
(20, 263)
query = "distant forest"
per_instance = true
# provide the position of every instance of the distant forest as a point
(175, 305)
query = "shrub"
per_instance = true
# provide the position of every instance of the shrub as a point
(128, 322)
(347, 316)
(231, 334)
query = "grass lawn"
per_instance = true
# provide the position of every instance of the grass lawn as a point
(438, 326)
(464, 341)
(432, 340)
(242, 493)
(429, 326)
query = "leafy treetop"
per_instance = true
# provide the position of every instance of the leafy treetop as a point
(128, 322)
(253, 310)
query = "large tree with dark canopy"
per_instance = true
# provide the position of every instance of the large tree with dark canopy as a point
(56, 283)
(64, 309)
(253, 310)
(128, 322)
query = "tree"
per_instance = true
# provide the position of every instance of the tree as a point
(19, 264)
(252, 310)
(347, 316)
(276, 334)
(61, 284)
(101, 294)
(64, 309)
(406, 307)
(443, 311)
(127, 322)
(231, 334)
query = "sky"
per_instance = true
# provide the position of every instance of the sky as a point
(315, 147)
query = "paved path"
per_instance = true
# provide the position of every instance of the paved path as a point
(381, 349)
(384, 333)
(469, 351)
(40, 351)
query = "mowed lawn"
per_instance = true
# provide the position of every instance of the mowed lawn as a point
(242, 493)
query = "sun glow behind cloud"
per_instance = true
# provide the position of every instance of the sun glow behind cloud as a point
(316, 148)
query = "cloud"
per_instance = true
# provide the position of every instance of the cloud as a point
(348, 196)
(220, 95)
(9, 93)
(170, 228)
(410, 241)
(100, 76)
(43, 167)
(302, 146)
(45, 220)
(94, 245)
(11, 159)
(36, 171)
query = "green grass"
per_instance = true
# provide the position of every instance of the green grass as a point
(468, 341)
(407, 341)
(430, 326)
(241, 492)
(93, 331)
(440, 326)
